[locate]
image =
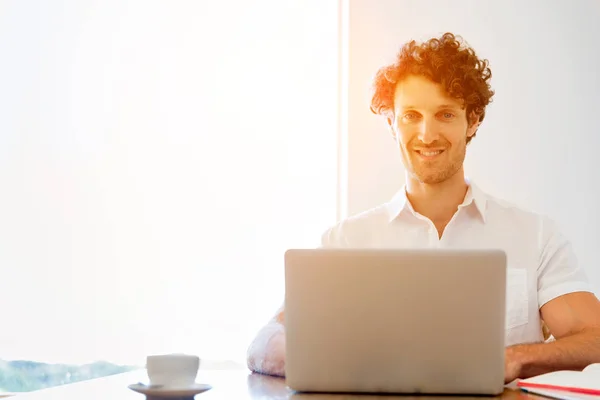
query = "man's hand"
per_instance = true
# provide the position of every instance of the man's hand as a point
(512, 364)
(274, 358)
(266, 354)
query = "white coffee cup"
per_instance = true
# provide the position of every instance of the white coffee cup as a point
(173, 371)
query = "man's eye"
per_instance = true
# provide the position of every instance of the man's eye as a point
(448, 115)
(410, 116)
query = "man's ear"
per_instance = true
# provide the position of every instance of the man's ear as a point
(391, 127)
(472, 130)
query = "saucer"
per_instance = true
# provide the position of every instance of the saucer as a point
(167, 392)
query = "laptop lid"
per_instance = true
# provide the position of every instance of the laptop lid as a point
(395, 321)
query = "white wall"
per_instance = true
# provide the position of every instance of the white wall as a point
(538, 145)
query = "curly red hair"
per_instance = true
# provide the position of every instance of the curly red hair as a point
(446, 60)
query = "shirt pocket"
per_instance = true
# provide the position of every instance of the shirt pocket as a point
(517, 304)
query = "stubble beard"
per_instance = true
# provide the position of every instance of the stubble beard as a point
(437, 171)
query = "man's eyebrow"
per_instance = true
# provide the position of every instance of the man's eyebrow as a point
(439, 107)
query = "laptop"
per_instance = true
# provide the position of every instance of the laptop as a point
(427, 321)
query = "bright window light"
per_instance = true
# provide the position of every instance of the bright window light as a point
(156, 160)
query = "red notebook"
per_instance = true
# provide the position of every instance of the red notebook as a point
(585, 382)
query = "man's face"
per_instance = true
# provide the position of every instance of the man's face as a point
(431, 129)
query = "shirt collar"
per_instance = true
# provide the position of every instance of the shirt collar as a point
(399, 203)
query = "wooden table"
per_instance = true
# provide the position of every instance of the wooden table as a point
(226, 385)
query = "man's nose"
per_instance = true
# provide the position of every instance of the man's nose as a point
(428, 131)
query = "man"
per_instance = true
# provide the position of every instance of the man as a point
(434, 98)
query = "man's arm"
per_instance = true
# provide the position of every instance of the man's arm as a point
(568, 308)
(574, 320)
(266, 353)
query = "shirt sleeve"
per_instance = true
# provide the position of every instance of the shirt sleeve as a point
(335, 236)
(559, 272)
(329, 238)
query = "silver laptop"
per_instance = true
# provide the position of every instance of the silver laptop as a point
(395, 321)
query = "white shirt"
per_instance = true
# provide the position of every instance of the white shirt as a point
(541, 263)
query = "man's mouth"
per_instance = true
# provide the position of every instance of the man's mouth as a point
(429, 154)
